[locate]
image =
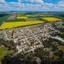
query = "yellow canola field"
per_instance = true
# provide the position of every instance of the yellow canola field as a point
(51, 19)
(20, 17)
(18, 24)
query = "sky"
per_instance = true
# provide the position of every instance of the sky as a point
(31, 5)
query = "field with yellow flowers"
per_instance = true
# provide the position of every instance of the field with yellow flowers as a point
(51, 19)
(18, 24)
(25, 20)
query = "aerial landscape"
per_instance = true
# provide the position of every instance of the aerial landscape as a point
(31, 32)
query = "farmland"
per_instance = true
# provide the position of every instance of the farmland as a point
(51, 19)
(18, 24)
(17, 20)
(20, 17)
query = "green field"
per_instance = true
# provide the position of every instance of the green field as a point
(3, 19)
(3, 52)
(61, 48)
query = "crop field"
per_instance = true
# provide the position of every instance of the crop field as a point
(21, 17)
(51, 19)
(18, 24)
(17, 20)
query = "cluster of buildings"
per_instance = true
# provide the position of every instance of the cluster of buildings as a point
(27, 39)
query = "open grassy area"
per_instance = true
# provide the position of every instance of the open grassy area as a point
(3, 52)
(21, 17)
(61, 48)
(18, 24)
(16, 20)
(3, 19)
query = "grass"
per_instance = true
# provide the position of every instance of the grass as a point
(10, 24)
(16, 20)
(54, 56)
(21, 17)
(51, 19)
(61, 48)
(3, 52)
(2, 19)
(62, 33)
